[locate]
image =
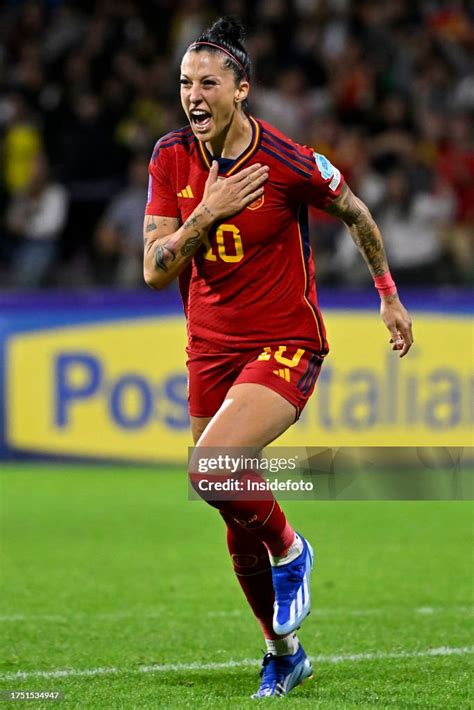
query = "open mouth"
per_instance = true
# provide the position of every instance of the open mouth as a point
(201, 119)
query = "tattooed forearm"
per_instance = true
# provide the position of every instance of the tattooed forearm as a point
(190, 245)
(163, 256)
(208, 211)
(169, 246)
(192, 221)
(363, 229)
(367, 237)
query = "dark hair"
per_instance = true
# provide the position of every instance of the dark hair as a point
(228, 33)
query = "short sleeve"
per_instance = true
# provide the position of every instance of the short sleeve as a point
(162, 199)
(324, 185)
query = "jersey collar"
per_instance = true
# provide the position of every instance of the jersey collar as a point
(206, 157)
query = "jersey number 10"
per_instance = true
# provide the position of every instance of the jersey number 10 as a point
(225, 233)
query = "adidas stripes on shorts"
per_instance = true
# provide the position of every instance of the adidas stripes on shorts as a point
(289, 369)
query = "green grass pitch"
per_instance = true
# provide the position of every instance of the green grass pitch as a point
(112, 576)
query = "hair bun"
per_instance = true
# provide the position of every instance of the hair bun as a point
(227, 34)
(229, 30)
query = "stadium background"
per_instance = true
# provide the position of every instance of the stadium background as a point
(383, 90)
(92, 363)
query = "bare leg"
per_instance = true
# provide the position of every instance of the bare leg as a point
(198, 425)
(251, 415)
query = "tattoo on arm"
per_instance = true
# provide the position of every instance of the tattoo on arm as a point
(189, 246)
(370, 244)
(151, 224)
(177, 248)
(192, 221)
(206, 209)
(362, 227)
(163, 256)
(347, 206)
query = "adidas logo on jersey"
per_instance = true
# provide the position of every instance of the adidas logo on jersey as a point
(187, 192)
(284, 373)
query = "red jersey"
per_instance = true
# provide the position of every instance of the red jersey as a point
(253, 282)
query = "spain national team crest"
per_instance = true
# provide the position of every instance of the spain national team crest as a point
(256, 204)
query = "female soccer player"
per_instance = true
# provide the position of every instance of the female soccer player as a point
(227, 214)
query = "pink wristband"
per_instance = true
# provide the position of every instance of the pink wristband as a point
(384, 284)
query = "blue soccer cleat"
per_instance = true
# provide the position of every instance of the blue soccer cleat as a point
(292, 595)
(280, 674)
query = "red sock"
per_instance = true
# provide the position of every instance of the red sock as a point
(271, 527)
(260, 513)
(253, 571)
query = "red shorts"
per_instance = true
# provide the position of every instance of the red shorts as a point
(289, 370)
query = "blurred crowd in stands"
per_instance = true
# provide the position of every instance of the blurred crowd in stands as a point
(384, 89)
